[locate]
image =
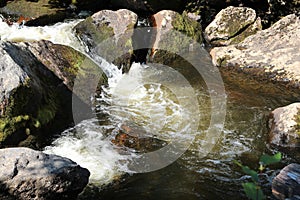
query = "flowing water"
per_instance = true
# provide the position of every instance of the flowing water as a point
(159, 100)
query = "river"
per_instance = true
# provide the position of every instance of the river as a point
(141, 96)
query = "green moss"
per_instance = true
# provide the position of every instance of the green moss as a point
(297, 119)
(74, 59)
(46, 113)
(97, 33)
(10, 125)
(188, 26)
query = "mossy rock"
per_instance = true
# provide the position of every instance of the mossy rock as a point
(108, 34)
(178, 40)
(40, 104)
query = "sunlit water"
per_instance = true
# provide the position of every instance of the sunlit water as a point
(165, 111)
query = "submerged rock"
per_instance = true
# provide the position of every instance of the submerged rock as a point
(286, 185)
(175, 34)
(271, 54)
(285, 126)
(29, 174)
(108, 33)
(135, 137)
(232, 25)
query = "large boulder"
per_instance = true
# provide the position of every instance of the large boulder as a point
(286, 185)
(108, 33)
(36, 83)
(271, 54)
(175, 34)
(65, 62)
(232, 25)
(28, 99)
(285, 126)
(29, 174)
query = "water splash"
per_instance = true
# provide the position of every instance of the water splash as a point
(59, 33)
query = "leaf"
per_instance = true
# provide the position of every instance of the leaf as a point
(253, 191)
(268, 160)
(250, 172)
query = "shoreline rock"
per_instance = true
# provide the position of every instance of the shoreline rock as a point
(285, 126)
(106, 36)
(29, 174)
(175, 34)
(232, 25)
(270, 54)
(286, 185)
(36, 84)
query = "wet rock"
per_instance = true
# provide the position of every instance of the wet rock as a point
(108, 33)
(65, 62)
(232, 25)
(286, 185)
(271, 54)
(35, 102)
(135, 137)
(285, 126)
(175, 34)
(29, 174)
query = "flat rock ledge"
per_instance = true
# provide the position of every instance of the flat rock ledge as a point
(30, 174)
(271, 54)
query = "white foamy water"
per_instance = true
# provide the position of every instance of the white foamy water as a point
(59, 33)
(155, 98)
(139, 97)
(87, 145)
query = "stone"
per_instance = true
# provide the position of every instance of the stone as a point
(132, 136)
(30, 174)
(285, 126)
(286, 185)
(23, 95)
(36, 81)
(270, 54)
(175, 34)
(108, 33)
(231, 25)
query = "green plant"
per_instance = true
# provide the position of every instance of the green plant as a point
(253, 189)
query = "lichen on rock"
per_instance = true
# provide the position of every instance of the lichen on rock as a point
(232, 25)
(176, 34)
(284, 126)
(105, 35)
(270, 54)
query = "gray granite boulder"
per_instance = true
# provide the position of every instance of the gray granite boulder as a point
(109, 34)
(36, 84)
(175, 34)
(285, 126)
(29, 174)
(232, 25)
(271, 54)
